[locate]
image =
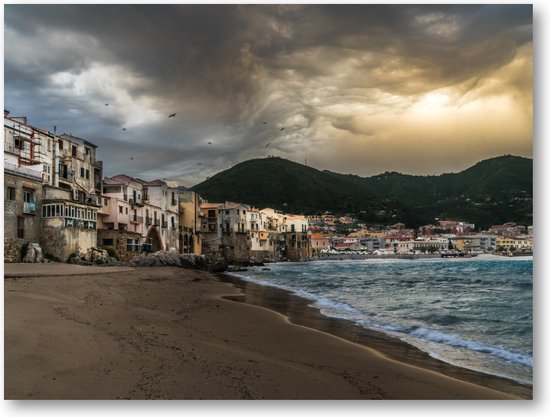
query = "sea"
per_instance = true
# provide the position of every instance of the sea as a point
(475, 313)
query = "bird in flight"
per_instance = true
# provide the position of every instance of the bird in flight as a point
(123, 128)
(267, 144)
(264, 123)
(132, 158)
(172, 115)
(106, 104)
(210, 143)
(282, 128)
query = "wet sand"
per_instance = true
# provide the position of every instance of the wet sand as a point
(170, 333)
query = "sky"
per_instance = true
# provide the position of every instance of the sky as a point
(361, 89)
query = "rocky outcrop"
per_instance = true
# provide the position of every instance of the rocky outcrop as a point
(33, 254)
(172, 258)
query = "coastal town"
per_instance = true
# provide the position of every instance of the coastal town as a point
(57, 202)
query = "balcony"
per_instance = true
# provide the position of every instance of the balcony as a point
(21, 170)
(164, 224)
(148, 221)
(156, 222)
(29, 208)
(136, 219)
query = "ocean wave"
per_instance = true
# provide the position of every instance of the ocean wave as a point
(457, 341)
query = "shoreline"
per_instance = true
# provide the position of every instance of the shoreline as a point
(173, 333)
(299, 311)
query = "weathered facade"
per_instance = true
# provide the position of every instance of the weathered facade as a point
(297, 244)
(145, 214)
(121, 242)
(68, 225)
(22, 205)
(189, 222)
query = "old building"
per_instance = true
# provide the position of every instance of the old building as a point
(138, 216)
(189, 222)
(234, 232)
(297, 245)
(63, 169)
(71, 199)
(209, 228)
(22, 205)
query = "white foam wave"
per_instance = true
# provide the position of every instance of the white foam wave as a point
(457, 341)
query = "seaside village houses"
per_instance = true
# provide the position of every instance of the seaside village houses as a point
(51, 186)
(240, 233)
(55, 196)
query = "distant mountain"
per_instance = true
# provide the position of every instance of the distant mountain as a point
(492, 191)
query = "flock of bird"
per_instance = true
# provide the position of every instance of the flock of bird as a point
(209, 142)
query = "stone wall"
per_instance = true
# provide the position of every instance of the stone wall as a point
(235, 247)
(14, 209)
(119, 245)
(61, 241)
(297, 246)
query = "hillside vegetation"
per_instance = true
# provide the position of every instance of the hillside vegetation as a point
(492, 191)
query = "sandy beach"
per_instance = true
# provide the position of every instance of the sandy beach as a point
(172, 333)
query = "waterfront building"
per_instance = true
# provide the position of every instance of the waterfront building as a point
(138, 216)
(475, 243)
(514, 244)
(297, 245)
(189, 222)
(209, 227)
(22, 207)
(234, 232)
(319, 242)
(62, 194)
(373, 243)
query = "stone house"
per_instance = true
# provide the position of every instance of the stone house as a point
(22, 205)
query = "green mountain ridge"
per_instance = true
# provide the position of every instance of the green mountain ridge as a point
(492, 191)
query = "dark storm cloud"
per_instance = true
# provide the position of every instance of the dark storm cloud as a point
(317, 70)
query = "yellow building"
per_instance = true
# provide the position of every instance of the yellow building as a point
(189, 222)
(518, 243)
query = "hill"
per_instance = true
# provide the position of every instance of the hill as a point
(492, 191)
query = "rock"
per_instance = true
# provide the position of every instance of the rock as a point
(74, 259)
(172, 258)
(218, 265)
(97, 255)
(34, 253)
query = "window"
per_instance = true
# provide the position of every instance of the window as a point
(60, 143)
(105, 201)
(63, 171)
(126, 210)
(87, 174)
(73, 151)
(173, 221)
(28, 196)
(10, 193)
(81, 172)
(87, 150)
(20, 227)
(120, 209)
(19, 144)
(107, 242)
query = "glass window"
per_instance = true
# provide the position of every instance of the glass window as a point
(28, 196)
(10, 193)
(20, 227)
